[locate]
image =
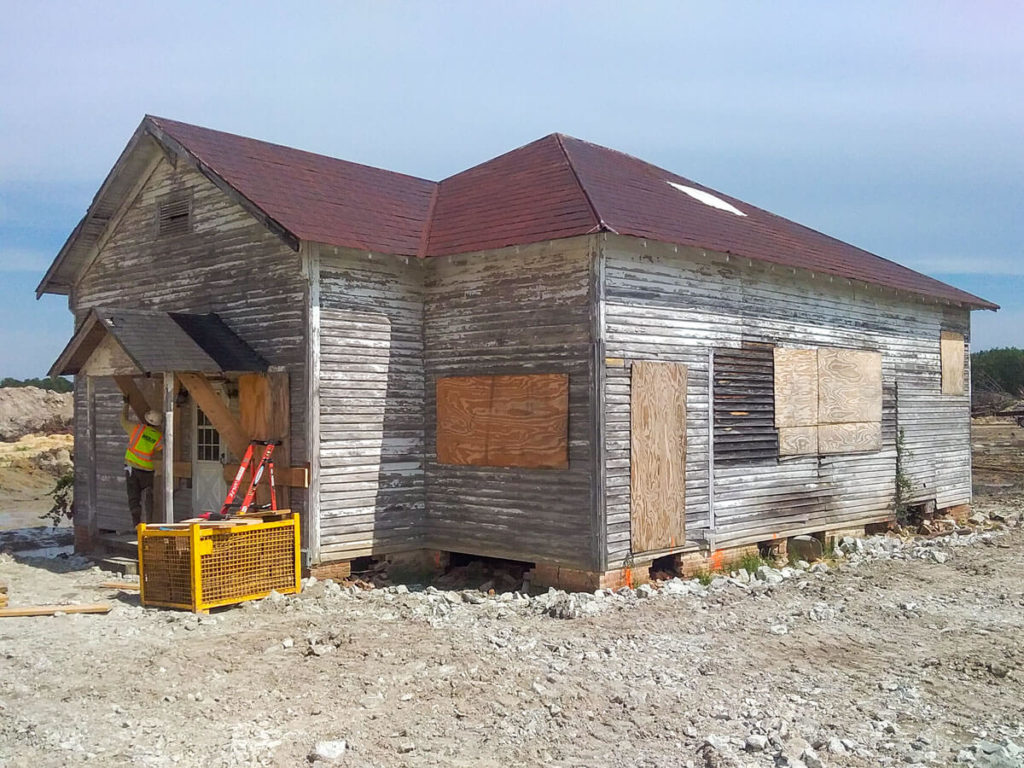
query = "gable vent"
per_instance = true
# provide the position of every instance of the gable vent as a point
(174, 217)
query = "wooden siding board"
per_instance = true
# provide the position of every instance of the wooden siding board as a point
(230, 264)
(371, 394)
(481, 317)
(675, 304)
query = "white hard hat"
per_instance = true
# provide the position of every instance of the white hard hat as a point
(154, 418)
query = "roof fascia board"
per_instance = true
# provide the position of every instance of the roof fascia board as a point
(74, 343)
(809, 274)
(180, 150)
(137, 137)
(91, 323)
(115, 220)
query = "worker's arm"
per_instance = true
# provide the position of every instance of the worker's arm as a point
(127, 425)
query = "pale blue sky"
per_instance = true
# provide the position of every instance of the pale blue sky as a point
(896, 127)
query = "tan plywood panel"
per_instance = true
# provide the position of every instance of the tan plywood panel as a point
(529, 422)
(952, 348)
(657, 456)
(796, 387)
(504, 421)
(849, 386)
(850, 438)
(798, 441)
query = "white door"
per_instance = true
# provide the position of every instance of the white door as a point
(208, 486)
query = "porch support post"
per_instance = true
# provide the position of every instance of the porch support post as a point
(168, 454)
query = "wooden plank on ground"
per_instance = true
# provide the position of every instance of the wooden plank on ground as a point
(850, 438)
(849, 386)
(657, 456)
(798, 441)
(952, 352)
(796, 387)
(49, 610)
(129, 586)
(504, 421)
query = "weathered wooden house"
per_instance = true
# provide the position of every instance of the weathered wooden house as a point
(565, 355)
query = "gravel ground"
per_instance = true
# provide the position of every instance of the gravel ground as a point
(900, 652)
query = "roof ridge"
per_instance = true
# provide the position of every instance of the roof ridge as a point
(599, 223)
(428, 225)
(162, 121)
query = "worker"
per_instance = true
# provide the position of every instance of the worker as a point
(143, 441)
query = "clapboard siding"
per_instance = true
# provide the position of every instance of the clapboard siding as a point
(513, 311)
(677, 304)
(232, 265)
(371, 404)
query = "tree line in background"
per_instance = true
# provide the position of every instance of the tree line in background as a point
(52, 383)
(997, 379)
(1003, 367)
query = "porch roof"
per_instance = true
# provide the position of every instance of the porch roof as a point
(158, 342)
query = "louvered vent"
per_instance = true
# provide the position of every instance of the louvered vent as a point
(174, 217)
(745, 405)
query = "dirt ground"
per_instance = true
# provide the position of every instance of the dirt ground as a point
(29, 467)
(902, 651)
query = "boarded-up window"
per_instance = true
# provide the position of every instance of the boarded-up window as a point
(828, 401)
(657, 456)
(952, 347)
(744, 405)
(504, 421)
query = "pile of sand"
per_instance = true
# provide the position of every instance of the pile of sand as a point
(28, 410)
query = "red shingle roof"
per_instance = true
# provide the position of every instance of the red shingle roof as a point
(633, 197)
(552, 188)
(315, 197)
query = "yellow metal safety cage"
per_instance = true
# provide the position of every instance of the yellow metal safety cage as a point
(199, 565)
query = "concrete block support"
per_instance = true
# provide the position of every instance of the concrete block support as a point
(690, 564)
(340, 569)
(960, 512)
(571, 580)
(834, 536)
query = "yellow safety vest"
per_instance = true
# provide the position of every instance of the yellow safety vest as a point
(141, 446)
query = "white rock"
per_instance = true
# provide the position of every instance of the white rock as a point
(328, 751)
(769, 575)
(675, 587)
(836, 746)
(821, 612)
(756, 742)
(778, 629)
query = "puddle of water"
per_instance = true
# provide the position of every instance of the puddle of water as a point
(46, 552)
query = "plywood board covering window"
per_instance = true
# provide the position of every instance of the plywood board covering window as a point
(504, 421)
(796, 387)
(657, 456)
(952, 348)
(849, 386)
(828, 401)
